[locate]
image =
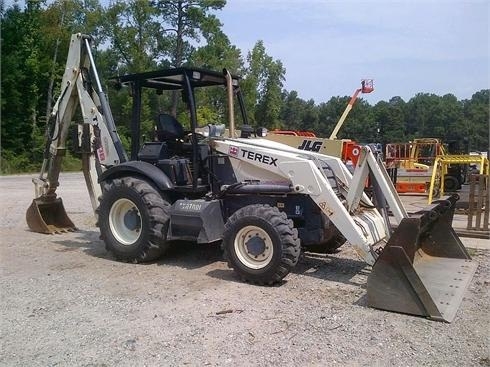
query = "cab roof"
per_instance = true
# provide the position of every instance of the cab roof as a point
(174, 78)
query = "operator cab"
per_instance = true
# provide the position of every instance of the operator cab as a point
(178, 145)
(169, 152)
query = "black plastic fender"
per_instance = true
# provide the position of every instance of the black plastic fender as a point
(139, 168)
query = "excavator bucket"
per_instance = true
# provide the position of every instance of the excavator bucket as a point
(48, 216)
(424, 268)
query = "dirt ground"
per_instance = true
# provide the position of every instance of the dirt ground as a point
(66, 302)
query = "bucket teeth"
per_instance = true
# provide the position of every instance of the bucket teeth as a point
(62, 230)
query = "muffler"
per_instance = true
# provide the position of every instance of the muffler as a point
(424, 269)
(48, 215)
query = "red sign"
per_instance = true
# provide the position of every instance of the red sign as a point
(233, 150)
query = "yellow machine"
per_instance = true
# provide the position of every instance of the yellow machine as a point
(419, 169)
(412, 163)
(441, 169)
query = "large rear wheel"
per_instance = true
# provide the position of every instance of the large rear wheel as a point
(261, 244)
(133, 220)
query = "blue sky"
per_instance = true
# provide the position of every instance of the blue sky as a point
(407, 47)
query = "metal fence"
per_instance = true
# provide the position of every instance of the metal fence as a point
(479, 206)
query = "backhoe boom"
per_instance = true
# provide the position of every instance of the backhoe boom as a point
(46, 213)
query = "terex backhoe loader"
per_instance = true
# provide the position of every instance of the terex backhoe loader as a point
(262, 199)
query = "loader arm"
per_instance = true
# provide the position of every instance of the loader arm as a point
(101, 145)
(420, 268)
(309, 173)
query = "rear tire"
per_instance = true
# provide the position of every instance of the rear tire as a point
(261, 244)
(328, 247)
(133, 220)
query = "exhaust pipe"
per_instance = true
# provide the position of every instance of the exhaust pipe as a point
(231, 109)
(424, 268)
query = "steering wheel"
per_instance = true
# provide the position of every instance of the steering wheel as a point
(199, 136)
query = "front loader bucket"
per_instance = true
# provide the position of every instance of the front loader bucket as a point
(424, 268)
(48, 216)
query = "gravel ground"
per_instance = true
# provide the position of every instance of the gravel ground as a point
(66, 302)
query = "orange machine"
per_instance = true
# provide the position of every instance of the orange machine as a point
(366, 87)
(415, 162)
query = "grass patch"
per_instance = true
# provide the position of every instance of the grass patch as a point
(11, 163)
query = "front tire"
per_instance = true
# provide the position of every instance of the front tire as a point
(133, 220)
(261, 244)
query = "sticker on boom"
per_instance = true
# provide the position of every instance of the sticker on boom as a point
(262, 158)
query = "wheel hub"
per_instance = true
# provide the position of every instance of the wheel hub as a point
(125, 221)
(132, 219)
(255, 245)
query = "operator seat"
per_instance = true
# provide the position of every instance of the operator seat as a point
(170, 132)
(167, 144)
(168, 128)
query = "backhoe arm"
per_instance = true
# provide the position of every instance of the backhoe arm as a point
(47, 214)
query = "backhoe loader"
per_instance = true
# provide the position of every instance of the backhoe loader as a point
(263, 200)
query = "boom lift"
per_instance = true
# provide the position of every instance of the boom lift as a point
(263, 200)
(366, 87)
(345, 149)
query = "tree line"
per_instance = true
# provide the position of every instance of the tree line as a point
(141, 35)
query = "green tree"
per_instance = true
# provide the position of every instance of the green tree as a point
(130, 27)
(292, 111)
(20, 76)
(390, 117)
(262, 87)
(58, 21)
(32, 39)
(429, 115)
(185, 22)
(329, 114)
(451, 117)
(269, 106)
(360, 125)
(476, 118)
(217, 54)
